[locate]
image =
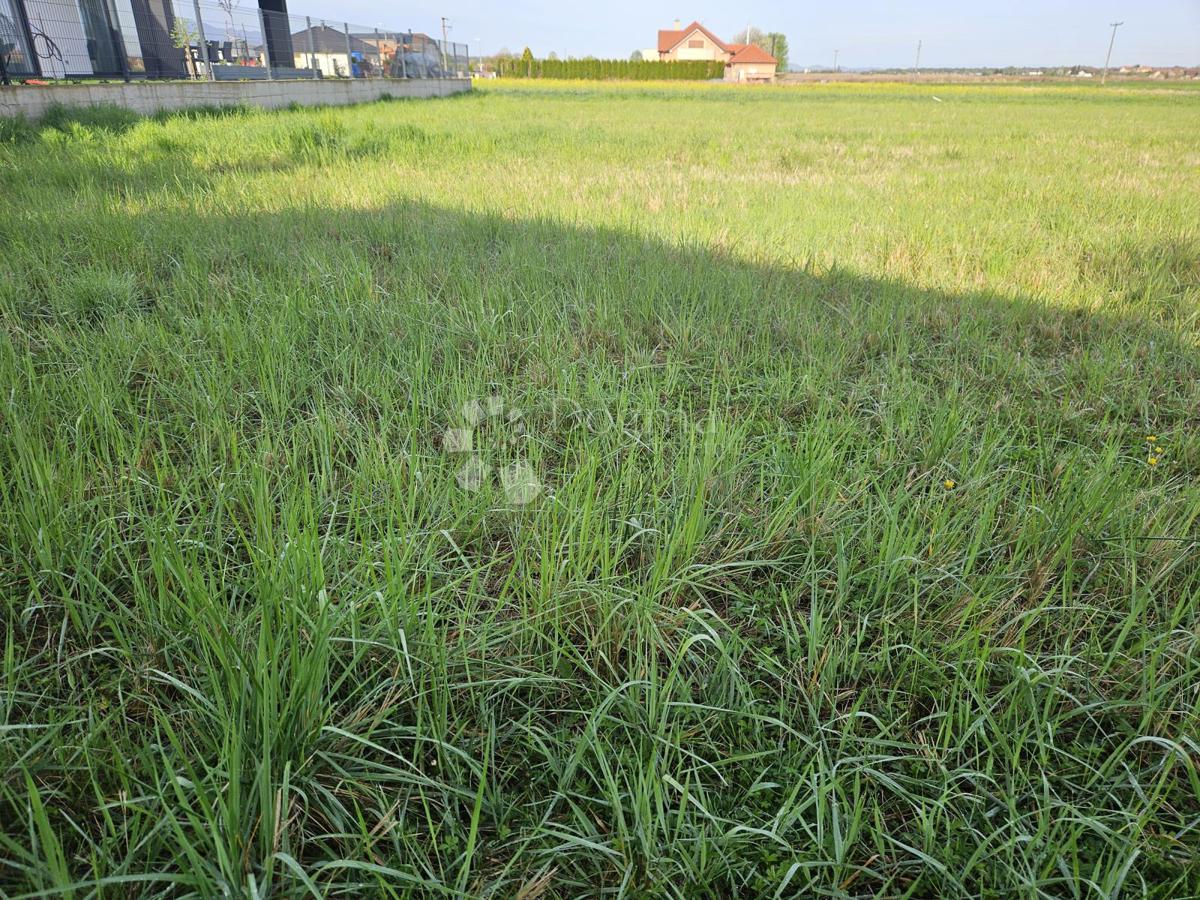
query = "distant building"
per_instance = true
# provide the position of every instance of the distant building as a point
(750, 63)
(412, 54)
(743, 62)
(396, 54)
(1159, 74)
(324, 48)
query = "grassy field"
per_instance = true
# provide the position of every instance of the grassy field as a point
(636, 490)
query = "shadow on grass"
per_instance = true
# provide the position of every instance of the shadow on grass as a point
(617, 297)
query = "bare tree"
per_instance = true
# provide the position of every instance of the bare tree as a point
(749, 35)
(228, 7)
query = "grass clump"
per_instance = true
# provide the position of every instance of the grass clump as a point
(105, 118)
(91, 296)
(16, 130)
(565, 496)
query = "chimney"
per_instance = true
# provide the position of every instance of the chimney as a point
(678, 25)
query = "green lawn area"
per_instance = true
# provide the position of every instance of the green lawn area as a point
(639, 490)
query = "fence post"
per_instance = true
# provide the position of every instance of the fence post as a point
(467, 48)
(312, 54)
(349, 54)
(403, 64)
(262, 26)
(203, 41)
(379, 50)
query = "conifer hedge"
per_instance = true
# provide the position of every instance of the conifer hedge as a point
(614, 69)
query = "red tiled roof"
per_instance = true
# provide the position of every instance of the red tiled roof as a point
(668, 40)
(750, 53)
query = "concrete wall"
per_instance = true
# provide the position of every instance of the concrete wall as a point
(149, 96)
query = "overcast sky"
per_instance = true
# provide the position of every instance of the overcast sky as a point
(866, 32)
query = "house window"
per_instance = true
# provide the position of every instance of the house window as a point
(699, 45)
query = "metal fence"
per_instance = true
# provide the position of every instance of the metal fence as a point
(219, 40)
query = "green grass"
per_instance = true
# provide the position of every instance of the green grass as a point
(849, 575)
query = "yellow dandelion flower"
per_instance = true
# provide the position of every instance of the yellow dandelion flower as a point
(1153, 460)
(1151, 438)
(949, 483)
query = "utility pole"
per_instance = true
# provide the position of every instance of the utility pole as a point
(835, 54)
(312, 52)
(444, 30)
(1114, 26)
(203, 43)
(917, 67)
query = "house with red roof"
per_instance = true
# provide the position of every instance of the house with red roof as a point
(743, 62)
